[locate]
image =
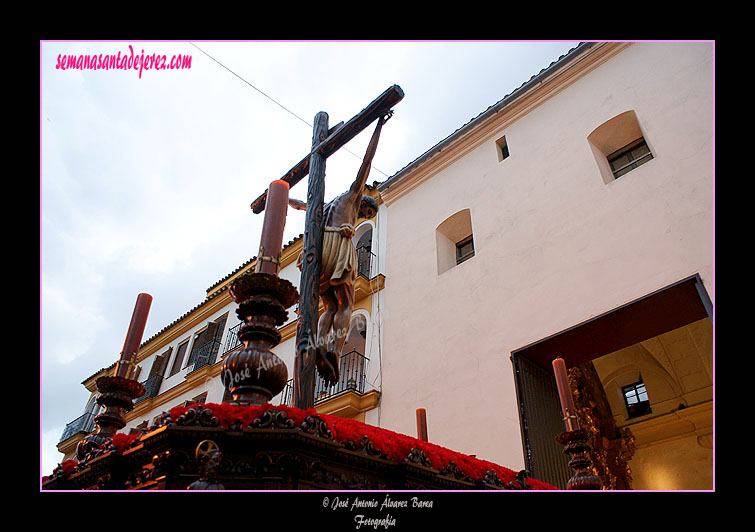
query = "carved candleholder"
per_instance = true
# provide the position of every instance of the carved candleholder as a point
(116, 395)
(576, 443)
(254, 375)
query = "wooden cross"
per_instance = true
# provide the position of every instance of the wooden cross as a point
(325, 142)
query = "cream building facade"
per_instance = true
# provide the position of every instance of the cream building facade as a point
(513, 242)
(572, 218)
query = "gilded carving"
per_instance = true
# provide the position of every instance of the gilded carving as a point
(611, 448)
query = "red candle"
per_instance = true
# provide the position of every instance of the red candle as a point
(564, 393)
(276, 206)
(421, 424)
(134, 335)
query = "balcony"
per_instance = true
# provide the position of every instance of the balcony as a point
(365, 260)
(204, 355)
(152, 388)
(84, 424)
(353, 378)
(232, 339)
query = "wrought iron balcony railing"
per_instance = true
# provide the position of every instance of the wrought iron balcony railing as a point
(152, 388)
(84, 424)
(232, 339)
(287, 395)
(365, 260)
(204, 355)
(353, 378)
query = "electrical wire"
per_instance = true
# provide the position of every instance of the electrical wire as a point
(277, 102)
(377, 225)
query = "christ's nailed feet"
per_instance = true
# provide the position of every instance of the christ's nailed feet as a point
(327, 366)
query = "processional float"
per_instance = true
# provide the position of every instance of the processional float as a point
(245, 443)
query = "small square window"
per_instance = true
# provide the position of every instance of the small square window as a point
(503, 148)
(629, 157)
(636, 399)
(453, 240)
(464, 250)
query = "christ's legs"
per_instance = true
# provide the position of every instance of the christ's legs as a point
(326, 360)
(342, 319)
(324, 326)
(333, 327)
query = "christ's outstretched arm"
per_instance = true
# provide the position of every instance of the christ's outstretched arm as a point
(296, 204)
(364, 170)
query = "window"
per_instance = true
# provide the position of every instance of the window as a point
(206, 344)
(160, 363)
(178, 362)
(140, 428)
(453, 240)
(619, 146)
(201, 398)
(636, 399)
(502, 148)
(92, 405)
(629, 157)
(363, 244)
(227, 394)
(464, 250)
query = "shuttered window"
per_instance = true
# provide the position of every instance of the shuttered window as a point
(178, 362)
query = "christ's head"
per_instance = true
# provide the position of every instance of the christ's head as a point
(368, 208)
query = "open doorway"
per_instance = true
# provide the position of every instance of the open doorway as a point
(642, 376)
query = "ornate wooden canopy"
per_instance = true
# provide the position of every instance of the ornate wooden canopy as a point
(277, 448)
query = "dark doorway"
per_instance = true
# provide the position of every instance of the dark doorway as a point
(669, 308)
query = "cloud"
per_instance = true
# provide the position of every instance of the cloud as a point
(71, 310)
(49, 457)
(146, 183)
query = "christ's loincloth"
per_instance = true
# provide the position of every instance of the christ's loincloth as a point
(339, 256)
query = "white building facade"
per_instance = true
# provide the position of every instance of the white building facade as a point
(572, 218)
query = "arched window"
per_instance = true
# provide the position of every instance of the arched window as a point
(93, 407)
(454, 240)
(363, 243)
(619, 146)
(353, 360)
(356, 338)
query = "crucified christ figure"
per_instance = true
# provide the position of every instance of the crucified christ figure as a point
(338, 263)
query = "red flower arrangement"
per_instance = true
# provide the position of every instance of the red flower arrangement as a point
(122, 441)
(396, 447)
(392, 444)
(68, 466)
(65, 469)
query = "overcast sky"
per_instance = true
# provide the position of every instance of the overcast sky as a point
(146, 181)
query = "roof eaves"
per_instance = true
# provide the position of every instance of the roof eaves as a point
(493, 109)
(166, 328)
(250, 261)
